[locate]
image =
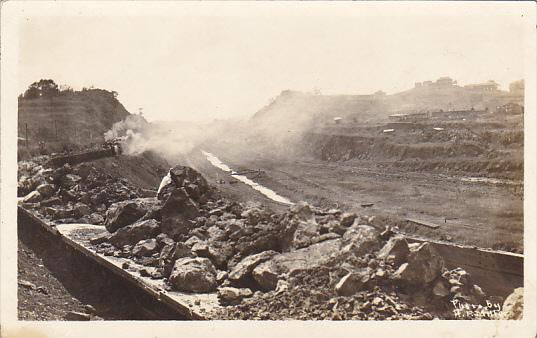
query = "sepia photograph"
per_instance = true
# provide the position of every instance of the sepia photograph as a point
(261, 162)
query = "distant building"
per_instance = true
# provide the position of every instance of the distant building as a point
(445, 81)
(489, 86)
(517, 88)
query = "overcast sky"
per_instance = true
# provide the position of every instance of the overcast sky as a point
(200, 68)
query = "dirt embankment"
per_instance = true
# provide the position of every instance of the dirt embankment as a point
(472, 149)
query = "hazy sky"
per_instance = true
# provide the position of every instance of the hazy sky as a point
(200, 68)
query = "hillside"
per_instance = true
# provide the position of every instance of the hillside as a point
(302, 109)
(79, 117)
(293, 108)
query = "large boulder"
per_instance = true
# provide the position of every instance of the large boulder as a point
(134, 233)
(243, 270)
(46, 190)
(302, 211)
(233, 296)
(179, 213)
(170, 253)
(67, 195)
(513, 307)
(441, 288)
(269, 272)
(37, 179)
(82, 209)
(304, 233)
(347, 219)
(96, 218)
(267, 275)
(123, 213)
(424, 265)
(219, 253)
(353, 282)
(361, 239)
(145, 247)
(254, 215)
(183, 177)
(32, 197)
(193, 275)
(24, 186)
(397, 247)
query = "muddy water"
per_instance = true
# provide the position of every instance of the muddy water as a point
(215, 161)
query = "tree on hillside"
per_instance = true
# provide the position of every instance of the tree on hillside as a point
(43, 88)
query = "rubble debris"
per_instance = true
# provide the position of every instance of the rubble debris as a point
(100, 238)
(513, 307)
(132, 234)
(32, 197)
(309, 297)
(353, 282)
(360, 239)
(145, 247)
(168, 255)
(46, 190)
(347, 219)
(304, 263)
(27, 284)
(81, 209)
(243, 270)
(193, 274)
(423, 266)
(268, 273)
(441, 288)
(232, 296)
(96, 218)
(123, 213)
(181, 176)
(397, 247)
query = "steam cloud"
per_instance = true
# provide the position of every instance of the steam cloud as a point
(170, 139)
(276, 133)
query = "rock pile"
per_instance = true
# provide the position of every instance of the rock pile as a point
(304, 263)
(72, 194)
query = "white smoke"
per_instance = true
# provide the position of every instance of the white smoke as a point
(277, 134)
(132, 123)
(170, 139)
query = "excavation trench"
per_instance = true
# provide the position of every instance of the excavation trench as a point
(82, 283)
